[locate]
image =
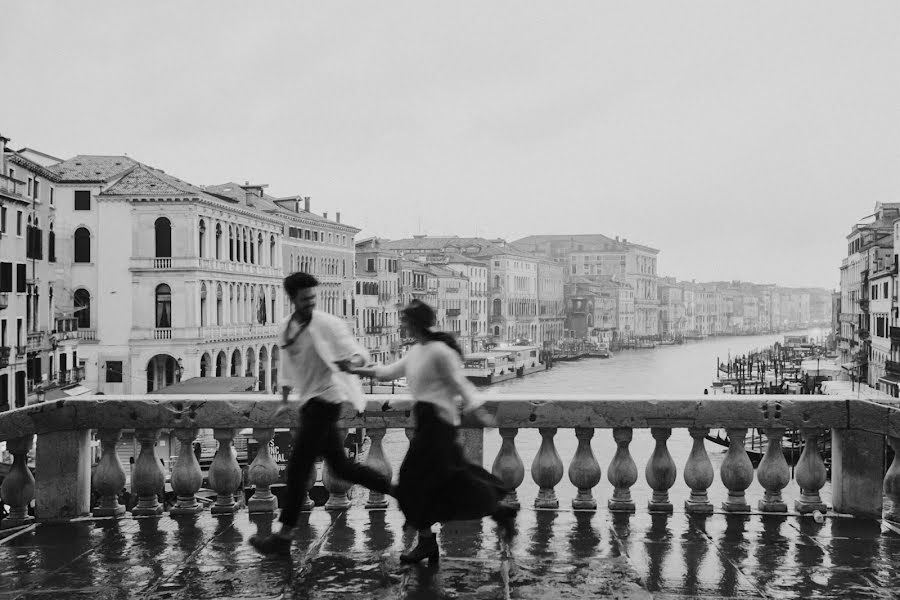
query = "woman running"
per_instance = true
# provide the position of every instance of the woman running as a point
(436, 483)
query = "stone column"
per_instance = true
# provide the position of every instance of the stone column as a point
(892, 485)
(63, 485)
(224, 473)
(773, 473)
(508, 466)
(810, 473)
(856, 472)
(263, 473)
(147, 477)
(377, 461)
(584, 470)
(186, 476)
(109, 476)
(622, 472)
(17, 489)
(661, 471)
(698, 474)
(736, 471)
(547, 470)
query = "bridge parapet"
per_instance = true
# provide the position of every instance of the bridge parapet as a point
(63, 430)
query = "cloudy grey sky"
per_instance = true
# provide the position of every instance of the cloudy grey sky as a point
(742, 139)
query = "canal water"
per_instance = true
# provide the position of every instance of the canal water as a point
(677, 369)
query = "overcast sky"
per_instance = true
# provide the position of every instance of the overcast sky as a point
(741, 139)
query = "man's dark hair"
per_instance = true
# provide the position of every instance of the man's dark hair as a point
(295, 282)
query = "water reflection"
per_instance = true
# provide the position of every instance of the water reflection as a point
(542, 534)
(735, 548)
(771, 552)
(658, 542)
(585, 535)
(152, 542)
(342, 537)
(695, 545)
(379, 537)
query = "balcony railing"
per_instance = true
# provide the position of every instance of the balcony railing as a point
(375, 329)
(4, 300)
(857, 427)
(36, 340)
(4, 356)
(11, 186)
(87, 335)
(453, 312)
(206, 332)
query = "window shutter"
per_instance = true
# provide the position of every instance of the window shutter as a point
(20, 278)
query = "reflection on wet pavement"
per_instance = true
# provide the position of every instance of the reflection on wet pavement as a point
(558, 553)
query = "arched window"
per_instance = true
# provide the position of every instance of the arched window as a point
(163, 306)
(252, 250)
(244, 242)
(261, 308)
(163, 229)
(82, 300)
(82, 245)
(218, 241)
(230, 243)
(202, 239)
(259, 248)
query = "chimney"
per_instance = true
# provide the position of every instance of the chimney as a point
(296, 206)
(338, 217)
(325, 215)
(306, 204)
(3, 141)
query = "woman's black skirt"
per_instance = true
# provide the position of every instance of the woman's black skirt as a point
(436, 482)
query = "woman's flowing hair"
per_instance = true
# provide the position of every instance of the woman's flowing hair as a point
(422, 316)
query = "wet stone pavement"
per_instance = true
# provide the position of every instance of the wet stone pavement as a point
(557, 554)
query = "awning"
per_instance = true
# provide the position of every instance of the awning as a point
(57, 393)
(850, 365)
(890, 378)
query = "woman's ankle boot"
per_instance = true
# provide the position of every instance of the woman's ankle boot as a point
(425, 548)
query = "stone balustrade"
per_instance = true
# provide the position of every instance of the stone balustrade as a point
(63, 432)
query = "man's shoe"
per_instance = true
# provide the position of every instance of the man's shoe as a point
(272, 545)
(426, 548)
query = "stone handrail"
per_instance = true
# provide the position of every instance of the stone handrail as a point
(63, 429)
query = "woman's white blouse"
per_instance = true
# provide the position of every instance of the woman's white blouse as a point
(434, 373)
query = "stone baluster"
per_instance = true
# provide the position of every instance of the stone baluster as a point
(736, 471)
(377, 461)
(773, 473)
(147, 476)
(698, 474)
(17, 489)
(622, 472)
(508, 465)
(262, 474)
(186, 476)
(584, 470)
(337, 487)
(547, 470)
(810, 473)
(660, 471)
(892, 485)
(109, 476)
(224, 473)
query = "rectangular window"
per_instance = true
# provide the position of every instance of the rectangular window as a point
(3, 332)
(37, 193)
(29, 186)
(114, 371)
(82, 200)
(370, 265)
(20, 278)
(51, 196)
(887, 291)
(19, 222)
(2, 219)
(6, 277)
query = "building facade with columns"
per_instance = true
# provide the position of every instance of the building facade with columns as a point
(378, 303)
(190, 279)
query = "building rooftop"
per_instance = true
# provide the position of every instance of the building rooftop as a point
(91, 168)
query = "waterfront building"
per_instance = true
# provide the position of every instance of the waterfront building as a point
(596, 255)
(513, 285)
(476, 273)
(38, 349)
(869, 242)
(378, 302)
(882, 290)
(672, 309)
(172, 281)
